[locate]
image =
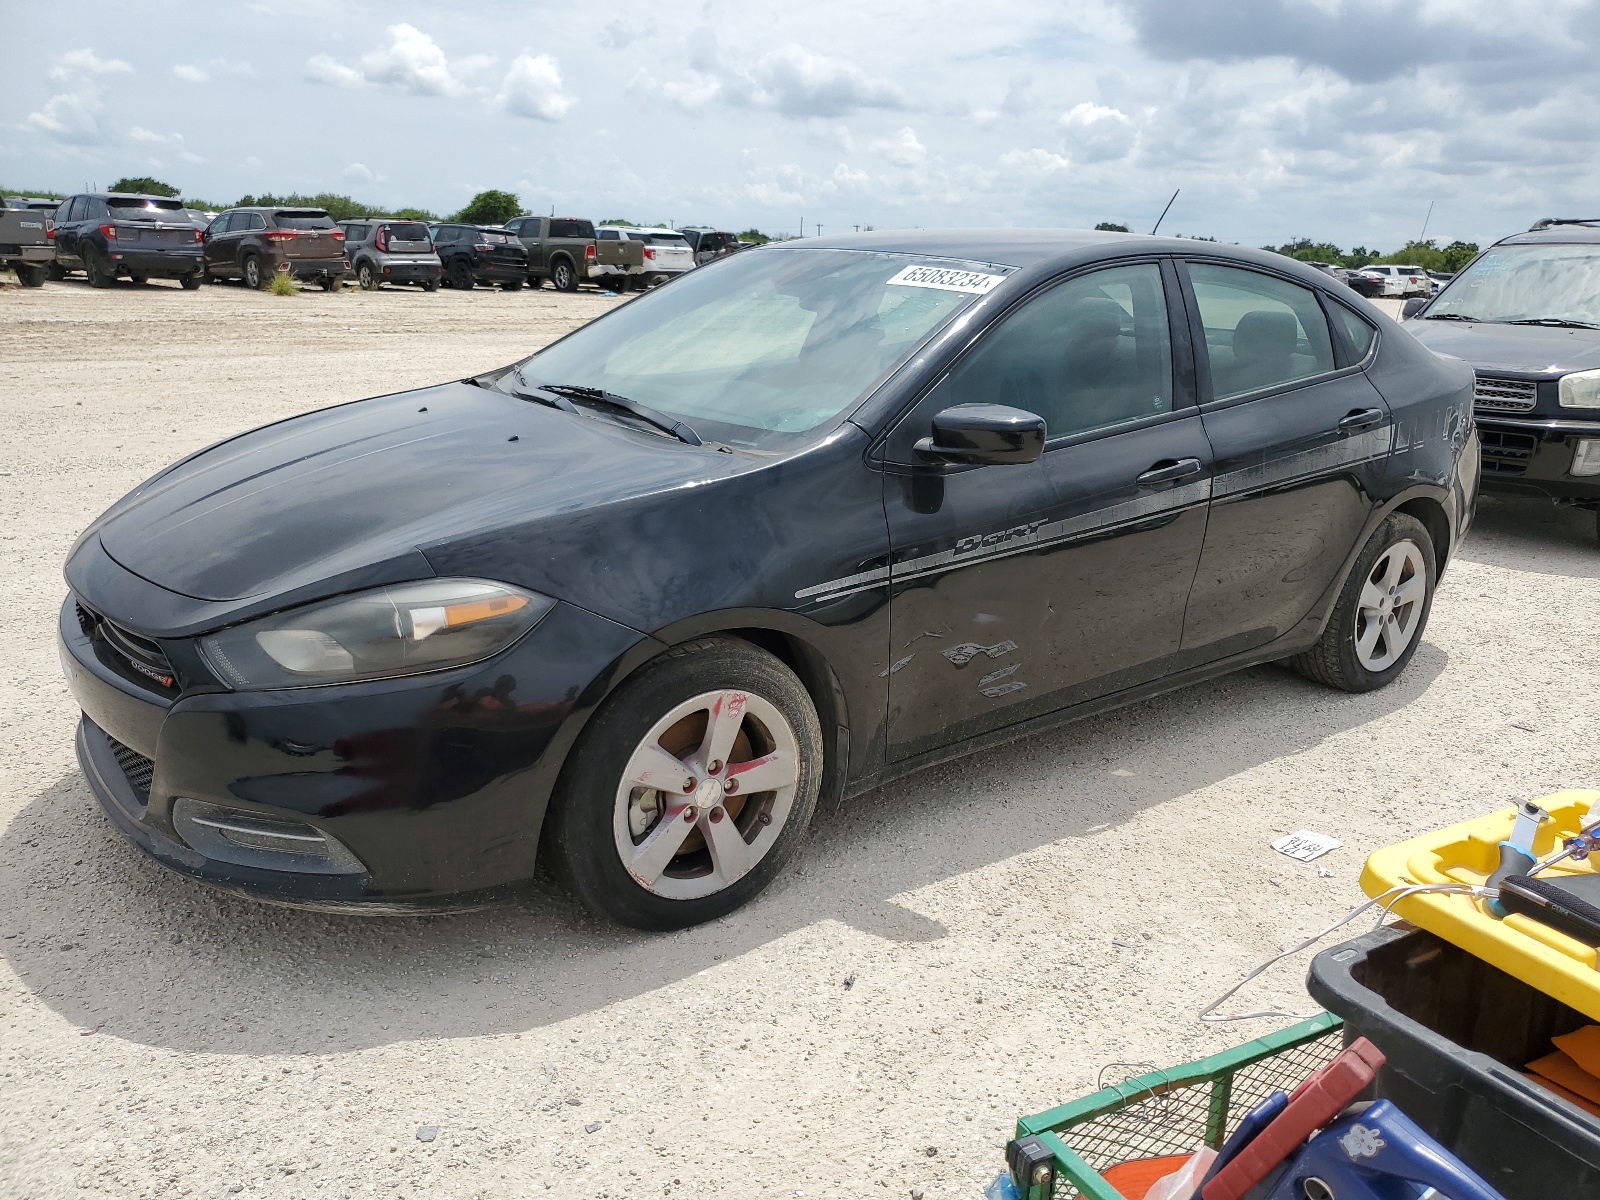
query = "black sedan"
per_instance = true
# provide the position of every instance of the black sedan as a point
(807, 519)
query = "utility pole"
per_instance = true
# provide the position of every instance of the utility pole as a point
(819, 230)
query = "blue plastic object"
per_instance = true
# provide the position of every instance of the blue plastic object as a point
(1373, 1153)
(1001, 1188)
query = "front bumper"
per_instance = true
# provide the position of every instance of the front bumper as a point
(435, 784)
(1532, 456)
(156, 262)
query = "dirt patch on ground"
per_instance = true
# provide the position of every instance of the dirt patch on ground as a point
(1011, 922)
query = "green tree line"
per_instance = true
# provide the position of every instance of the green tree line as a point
(1428, 255)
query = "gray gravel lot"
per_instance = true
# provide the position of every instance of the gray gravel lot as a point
(1012, 921)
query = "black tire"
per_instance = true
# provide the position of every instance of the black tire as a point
(54, 271)
(254, 277)
(536, 282)
(579, 832)
(430, 285)
(139, 278)
(511, 285)
(31, 274)
(205, 275)
(1333, 660)
(332, 283)
(563, 277)
(461, 275)
(365, 278)
(100, 275)
(192, 281)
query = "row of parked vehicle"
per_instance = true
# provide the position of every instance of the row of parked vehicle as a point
(106, 235)
(1388, 281)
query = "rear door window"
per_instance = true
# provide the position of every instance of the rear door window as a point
(1261, 331)
(568, 227)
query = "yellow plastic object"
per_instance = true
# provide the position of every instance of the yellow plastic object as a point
(1554, 963)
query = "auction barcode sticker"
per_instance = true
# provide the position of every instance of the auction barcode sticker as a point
(947, 279)
(1304, 845)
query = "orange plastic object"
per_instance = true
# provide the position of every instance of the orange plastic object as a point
(1541, 957)
(1572, 1097)
(1559, 1069)
(1134, 1179)
(1583, 1047)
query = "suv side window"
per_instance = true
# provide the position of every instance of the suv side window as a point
(1090, 353)
(93, 209)
(1261, 331)
(238, 221)
(447, 233)
(218, 225)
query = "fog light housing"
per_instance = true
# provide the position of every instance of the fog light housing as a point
(1585, 457)
(250, 839)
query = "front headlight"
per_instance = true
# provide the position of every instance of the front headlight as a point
(1580, 390)
(398, 630)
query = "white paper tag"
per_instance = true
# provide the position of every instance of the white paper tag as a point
(1304, 845)
(948, 279)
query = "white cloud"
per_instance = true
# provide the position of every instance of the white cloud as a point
(409, 61)
(903, 149)
(172, 142)
(1096, 133)
(205, 72)
(73, 114)
(1036, 162)
(532, 88)
(361, 173)
(799, 83)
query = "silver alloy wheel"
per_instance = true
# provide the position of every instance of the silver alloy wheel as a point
(706, 794)
(1391, 606)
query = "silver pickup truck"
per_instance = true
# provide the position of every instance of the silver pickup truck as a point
(25, 243)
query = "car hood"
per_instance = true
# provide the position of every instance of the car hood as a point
(357, 492)
(1532, 349)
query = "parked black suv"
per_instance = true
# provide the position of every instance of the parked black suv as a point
(709, 244)
(473, 254)
(1526, 314)
(106, 234)
(253, 243)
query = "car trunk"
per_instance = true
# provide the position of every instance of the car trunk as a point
(306, 234)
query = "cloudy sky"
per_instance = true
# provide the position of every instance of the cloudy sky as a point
(1335, 119)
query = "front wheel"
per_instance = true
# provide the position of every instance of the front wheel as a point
(430, 285)
(690, 788)
(461, 274)
(1381, 612)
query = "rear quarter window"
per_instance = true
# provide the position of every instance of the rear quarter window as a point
(1359, 333)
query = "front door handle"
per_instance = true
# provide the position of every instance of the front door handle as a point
(1361, 418)
(1170, 472)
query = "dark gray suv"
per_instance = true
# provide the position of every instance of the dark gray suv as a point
(106, 234)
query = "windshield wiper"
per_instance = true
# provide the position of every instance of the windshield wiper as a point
(1555, 323)
(1450, 317)
(594, 395)
(540, 395)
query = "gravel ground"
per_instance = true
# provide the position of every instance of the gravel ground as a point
(946, 953)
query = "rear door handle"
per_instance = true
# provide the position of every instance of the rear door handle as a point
(1171, 473)
(1361, 418)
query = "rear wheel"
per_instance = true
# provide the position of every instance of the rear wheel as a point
(511, 285)
(1378, 620)
(250, 270)
(563, 277)
(332, 283)
(690, 788)
(192, 281)
(365, 277)
(54, 271)
(430, 285)
(536, 282)
(101, 273)
(461, 274)
(31, 274)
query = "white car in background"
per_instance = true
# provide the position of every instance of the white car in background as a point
(1399, 281)
(666, 252)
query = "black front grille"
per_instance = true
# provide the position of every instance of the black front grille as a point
(135, 766)
(143, 656)
(1506, 453)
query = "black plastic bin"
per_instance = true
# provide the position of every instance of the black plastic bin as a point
(1457, 1033)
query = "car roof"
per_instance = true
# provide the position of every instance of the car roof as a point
(131, 196)
(1570, 231)
(1032, 247)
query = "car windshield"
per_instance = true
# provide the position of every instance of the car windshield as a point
(128, 209)
(759, 349)
(1555, 282)
(308, 218)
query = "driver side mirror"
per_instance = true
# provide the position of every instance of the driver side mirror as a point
(983, 434)
(1413, 306)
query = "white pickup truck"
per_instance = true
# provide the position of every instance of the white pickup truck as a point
(1398, 281)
